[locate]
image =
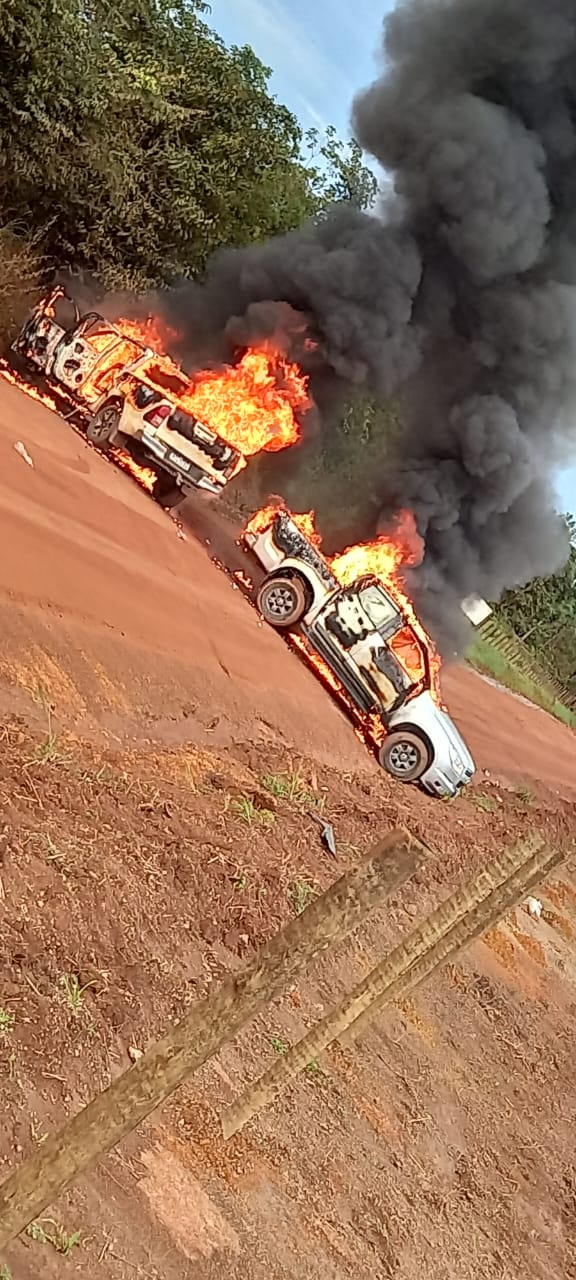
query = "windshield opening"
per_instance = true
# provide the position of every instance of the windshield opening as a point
(381, 610)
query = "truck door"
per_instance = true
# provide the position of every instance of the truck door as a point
(364, 621)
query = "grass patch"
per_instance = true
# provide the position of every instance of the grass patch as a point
(49, 1232)
(49, 751)
(73, 992)
(486, 658)
(248, 812)
(299, 895)
(484, 802)
(291, 786)
(279, 1045)
(7, 1021)
(314, 1070)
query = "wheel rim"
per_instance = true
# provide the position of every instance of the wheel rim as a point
(104, 424)
(404, 758)
(280, 602)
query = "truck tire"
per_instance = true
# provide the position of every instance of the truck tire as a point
(405, 755)
(103, 425)
(165, 492)
(282, 602)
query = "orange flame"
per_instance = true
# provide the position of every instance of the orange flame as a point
(243, 579)
(151, 332)
(253, 405)
(144, 475)
(305, 522)
(385, 557)
(109, 366)
(35, 393)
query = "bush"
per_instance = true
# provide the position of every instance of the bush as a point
(20, 270)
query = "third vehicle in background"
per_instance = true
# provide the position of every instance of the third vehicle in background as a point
(127, 396)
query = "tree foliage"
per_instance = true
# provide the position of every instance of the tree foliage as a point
(343, 174)
(543, 614)
(137, 143)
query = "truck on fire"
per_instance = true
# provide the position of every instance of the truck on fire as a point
(126, 396)
(374, 652)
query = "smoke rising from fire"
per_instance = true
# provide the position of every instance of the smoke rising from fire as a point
(476, 118)
(462, 291)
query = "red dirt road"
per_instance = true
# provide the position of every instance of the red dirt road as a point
(131, 631)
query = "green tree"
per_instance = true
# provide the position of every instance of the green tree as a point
(543, 614)
(136, 141)
(342, 174)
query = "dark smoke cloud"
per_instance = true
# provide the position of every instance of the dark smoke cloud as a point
(475, 116)
(461, 291)
(346, 284)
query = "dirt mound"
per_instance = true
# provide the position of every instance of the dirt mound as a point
(131, 881)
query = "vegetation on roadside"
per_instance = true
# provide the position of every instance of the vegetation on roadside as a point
(134, 143)
(49, 1232)
(20, 269)
(7, 1021)
(543, 616)
(485, 657)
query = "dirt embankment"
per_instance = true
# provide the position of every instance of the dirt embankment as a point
(132, 881)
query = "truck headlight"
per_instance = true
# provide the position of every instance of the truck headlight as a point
(456, 762)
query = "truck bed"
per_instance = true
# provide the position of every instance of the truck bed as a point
(292, 542)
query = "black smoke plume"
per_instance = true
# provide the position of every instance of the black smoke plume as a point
(462, 291)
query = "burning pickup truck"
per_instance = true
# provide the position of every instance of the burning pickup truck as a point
(359, 630)
(130, 398)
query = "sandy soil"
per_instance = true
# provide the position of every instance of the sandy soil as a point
(143, 854)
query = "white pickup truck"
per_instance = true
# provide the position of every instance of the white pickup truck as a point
(128, 396)
(371, 648)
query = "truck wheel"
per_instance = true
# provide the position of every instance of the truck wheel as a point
(282, 602)
(405, 755)
(103, 426)
(166, 493)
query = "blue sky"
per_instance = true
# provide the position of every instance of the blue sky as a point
(321, 52)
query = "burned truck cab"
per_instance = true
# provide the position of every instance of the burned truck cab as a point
(358, 630)
(41, 335)
(80, 355)
(367, 649)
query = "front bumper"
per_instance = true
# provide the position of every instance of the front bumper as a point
(445, 782)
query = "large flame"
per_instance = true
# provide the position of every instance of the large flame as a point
(387, 556)
(253, 405)
(151, 332)
(305, 522)
(110, 365)
(35, 393)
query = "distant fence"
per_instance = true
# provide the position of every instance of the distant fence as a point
(505, 640)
